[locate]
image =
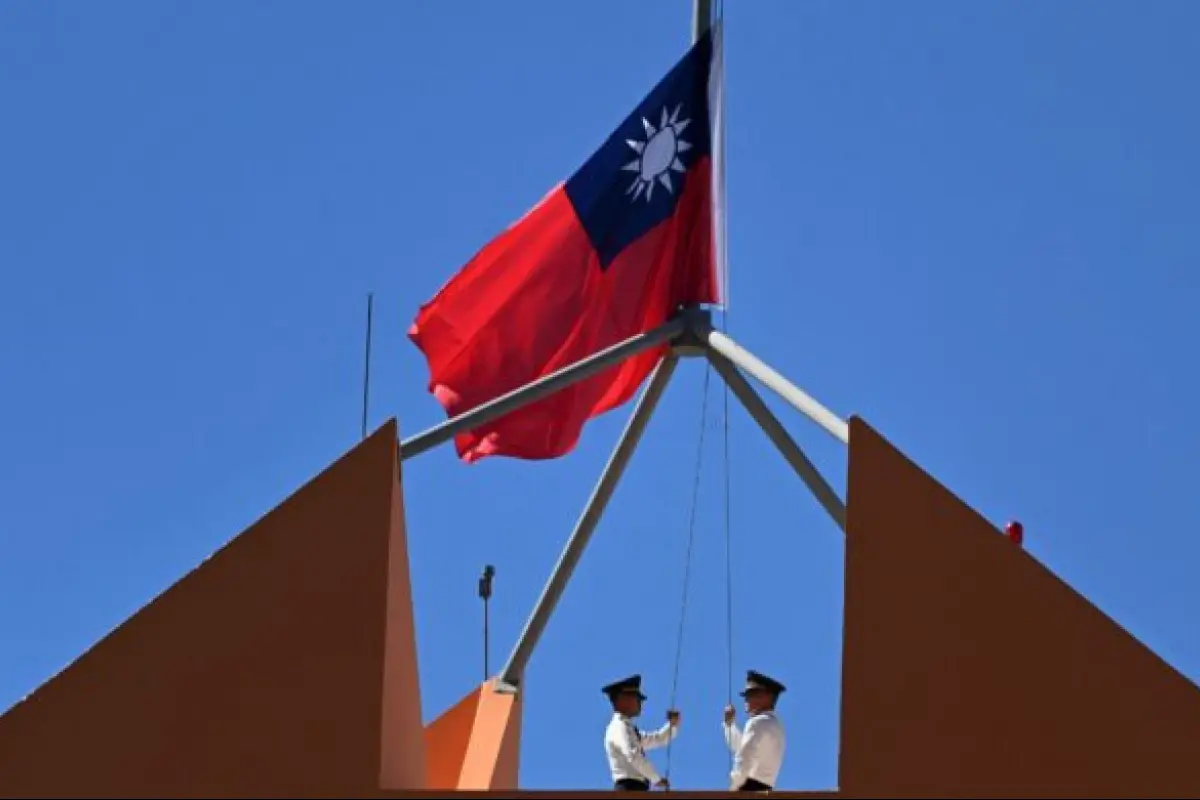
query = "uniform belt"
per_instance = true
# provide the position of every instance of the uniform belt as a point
(751, 785)
(632, 784)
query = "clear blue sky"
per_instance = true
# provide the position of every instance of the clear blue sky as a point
(972, 223)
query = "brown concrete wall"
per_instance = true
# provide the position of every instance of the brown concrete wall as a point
(402, 733)
(259, 674)
(970, 670)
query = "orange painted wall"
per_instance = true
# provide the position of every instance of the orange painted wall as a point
(446, 742)
(971, 670)
(259, 674)
(476, 743)
(494, 752)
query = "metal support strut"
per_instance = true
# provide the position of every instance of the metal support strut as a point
(690, 333)
(782, 440)
(542, 387)
(510, 676)
(832, 423)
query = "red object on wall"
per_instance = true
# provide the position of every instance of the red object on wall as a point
(1015, 532)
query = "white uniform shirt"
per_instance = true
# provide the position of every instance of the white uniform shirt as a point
(758, 751)
(626, 748)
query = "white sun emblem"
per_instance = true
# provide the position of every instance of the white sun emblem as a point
(658, 156)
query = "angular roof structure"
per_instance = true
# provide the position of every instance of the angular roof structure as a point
(970, 670)
(285, 665)
(282, 666)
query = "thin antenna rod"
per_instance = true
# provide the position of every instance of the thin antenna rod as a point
(367, 365)
(485, 594)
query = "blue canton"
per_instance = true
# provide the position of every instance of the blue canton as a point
(633, 182)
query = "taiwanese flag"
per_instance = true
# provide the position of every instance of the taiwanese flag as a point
(633, 235)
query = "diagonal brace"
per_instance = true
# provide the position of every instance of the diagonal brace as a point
(543, 387)
(797, 398)
(782, 440)
(510, 677)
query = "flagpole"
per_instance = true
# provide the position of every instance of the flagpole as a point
(702, 14)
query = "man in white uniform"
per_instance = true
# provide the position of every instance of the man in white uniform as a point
(626, 746)
(757, 750)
